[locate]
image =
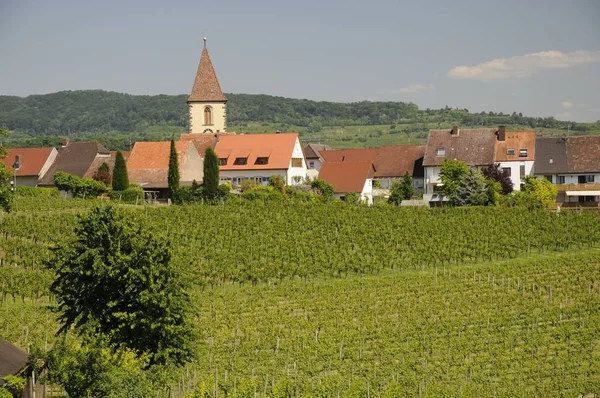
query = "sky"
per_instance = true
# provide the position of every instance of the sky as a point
(541, 58)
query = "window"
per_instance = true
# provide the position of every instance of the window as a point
(296, 162)
(207, 115)
(222, 161)
(507, 171)
(265, 180)
(510, 151)
(522, 153)
(441, 152)
(589, 178)
(258, 179)
(548, 177)
(311, 164)
(262, 160)
(585, 179)
(522, 170)
(240, 161)
(560, 179)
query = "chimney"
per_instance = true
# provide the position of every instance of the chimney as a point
(64, 142)
(454, 131)
(17, 163)
(501, 133)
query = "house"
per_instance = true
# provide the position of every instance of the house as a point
(350, 155)
(394, 161)
(31, 163)
(515, 152)
(349, 177)
(148, 165)
(75, 158)
(260, 156)
(312, 155)
(207, 105)
(573, 164)
(478, 148)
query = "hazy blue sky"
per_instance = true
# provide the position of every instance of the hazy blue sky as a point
(541, 58)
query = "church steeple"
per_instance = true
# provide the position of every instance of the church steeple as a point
(206, 85)
(207, 104)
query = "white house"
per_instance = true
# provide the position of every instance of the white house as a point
(260, 156)
(31, 163)
(573, 164)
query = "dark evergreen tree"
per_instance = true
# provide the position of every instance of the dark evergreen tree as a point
(211, 174)
(401, 190)
(173, 177)
(120, 179)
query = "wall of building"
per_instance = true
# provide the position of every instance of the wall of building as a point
(191, 166)
(219, 117)
(299, 172)
(570, 178)
(48, 163)
(27, 181)
(314, 164)
(386, 182)
(515, 171)
(235, 176)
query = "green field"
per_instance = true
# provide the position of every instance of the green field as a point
(336, 300)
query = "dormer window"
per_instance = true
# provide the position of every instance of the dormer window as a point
(441, 152)
(262, 160)
(240, 161)
(222, 161)
(510, 151)
(522, 153)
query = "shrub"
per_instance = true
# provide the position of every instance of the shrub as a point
(133, 194)
(248, 184)
(79, 187)
(37, 192)
(262, 192)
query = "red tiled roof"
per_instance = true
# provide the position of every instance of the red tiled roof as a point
(206, 85)
(113, 154)
(350, 155)
(515, 140)
(110, 162)
(32, 160)
(397, 160)
(346, 176)
(583, 154)
(252, 146)
(201, 141)
(475, 147)
(149, 161)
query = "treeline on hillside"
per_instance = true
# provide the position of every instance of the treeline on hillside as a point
(112, 117)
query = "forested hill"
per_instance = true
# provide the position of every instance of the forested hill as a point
(109, 116)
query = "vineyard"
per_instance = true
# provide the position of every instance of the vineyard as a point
(328, 300)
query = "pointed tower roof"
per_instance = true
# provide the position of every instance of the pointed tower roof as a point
(206, 85)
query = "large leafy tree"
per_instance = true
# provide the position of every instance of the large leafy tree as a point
(115, 281)
(5, 177)
(401, 190)
(542, 190)
(472, 190)
(451, 174)
(173, 174)
(120, 178)
(211, 174)
(494, 172)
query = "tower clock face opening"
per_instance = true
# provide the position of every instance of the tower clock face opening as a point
(208, 131)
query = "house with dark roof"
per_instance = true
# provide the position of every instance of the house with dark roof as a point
(148, 165)
(350, 177)
(30, 164)
(260, 156)
(478, 148)
(312, 154)
(394, 161)
(76, 158)
(573, 164)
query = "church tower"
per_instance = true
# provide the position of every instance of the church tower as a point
(207, 105)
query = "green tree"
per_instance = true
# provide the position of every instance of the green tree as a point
(322, 188)
(451, 174)
(120, 178)
(495, 173)
(173, 176)
(115, 279)
(210, 185)
(472, 190)
(543, 190)
(6, 174)
(401, 190)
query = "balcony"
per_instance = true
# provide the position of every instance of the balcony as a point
(591, 186)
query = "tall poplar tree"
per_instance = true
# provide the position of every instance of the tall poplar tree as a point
(211, 173)
(173, 177)
(120, 179)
